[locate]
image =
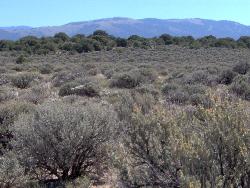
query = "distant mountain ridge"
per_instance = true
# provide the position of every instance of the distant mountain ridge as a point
(125, 27)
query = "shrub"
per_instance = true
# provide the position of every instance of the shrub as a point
(63, 140)
(165, 150)
(23, 80)
(21, 59)
(148, 89)
(46, 69)
(87, 45)
(201, 100)
(6, 94)
(62, 36)
(241, 68)
(68, 46)
(66, 89)
(10, 112)
(63, 77)
(82, 182)
(213, 138)
(241, 88)
(226, 77)
(87, 88)
(195, 89)
(100, 33)
(169, 87)
(168, 39)
(121, 42)
(178, 97)
(147, 75)
(37, 94)
(197, 77)
(149, 160)
(12, 174)
(126, 80)
(133, 78)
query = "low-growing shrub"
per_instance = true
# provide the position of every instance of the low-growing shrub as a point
(148, 75)
(23, 80)
(62, 77)
(12, 174)
(86, 88)
(6, 94)
(201, 100)
(198, 77)
(21, 59)
(169, 87)
(4, 79)
(226, 77)
(148, 89)
(37, 94)
(148, 159)
(46, 69)
(9, 112)
(126, 80)
(66, 89)
(64, 141)
(241, 88)
(178, 97)
(241, 68)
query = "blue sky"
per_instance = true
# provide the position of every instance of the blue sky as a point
(58, 12)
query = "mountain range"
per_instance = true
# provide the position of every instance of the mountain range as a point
(125, 27)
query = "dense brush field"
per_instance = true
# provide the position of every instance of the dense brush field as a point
(170, 116)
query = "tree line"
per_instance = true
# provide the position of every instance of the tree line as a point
(101, 40)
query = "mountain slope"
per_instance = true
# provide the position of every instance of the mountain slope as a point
(6, 35)
(124, 27)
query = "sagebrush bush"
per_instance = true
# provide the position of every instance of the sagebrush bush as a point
(6, 94)
(165, 150)
(46, 69)
(126, 80)
(66, 89)
(63, 77)
(198, 77)
(12, 174)
(10, 112)
(23, 80)
(4, 79)
(178, 97)
(21, 59)
(226, 77)
(64, 140)
(37, 94)
(201, 99)
(240, 87)
(148, 75)
(149, 89)
(84, 87)
(169, 87)
(241, 68)
(149, 159)
(224, 129)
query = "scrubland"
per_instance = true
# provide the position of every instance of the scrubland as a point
(169, 116)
